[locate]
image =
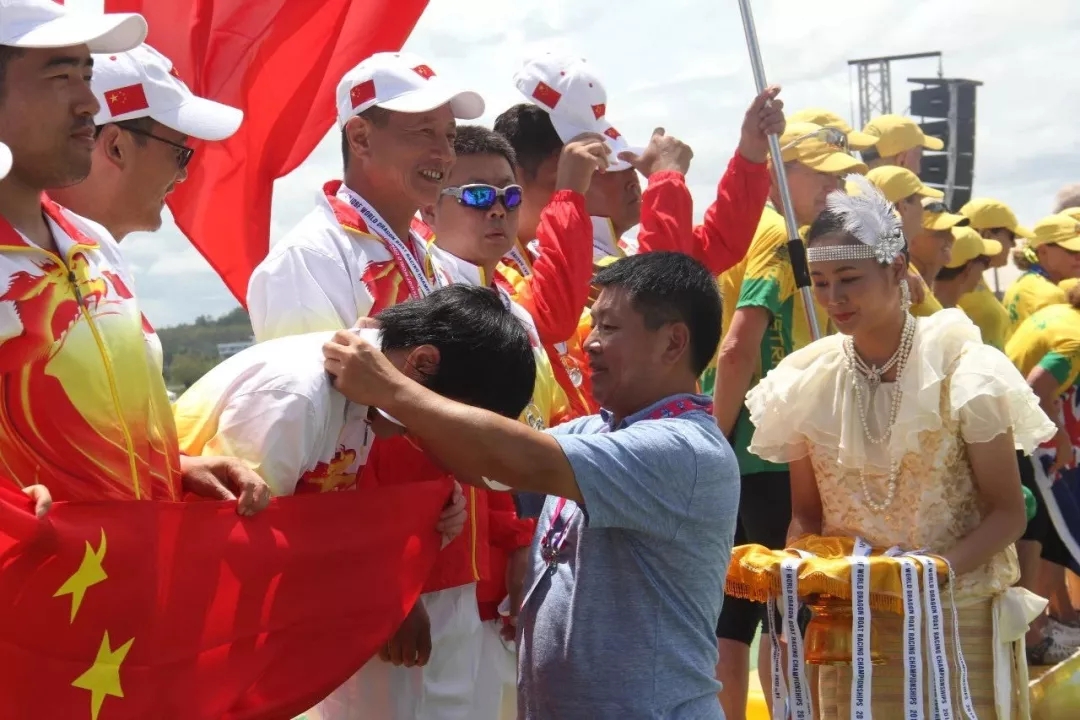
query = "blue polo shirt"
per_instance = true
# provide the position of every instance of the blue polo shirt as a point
(623, 624)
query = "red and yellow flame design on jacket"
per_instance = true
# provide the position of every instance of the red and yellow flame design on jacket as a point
(330, 476)
(81, 406)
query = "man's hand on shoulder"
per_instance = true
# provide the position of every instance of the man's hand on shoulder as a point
(225, 478)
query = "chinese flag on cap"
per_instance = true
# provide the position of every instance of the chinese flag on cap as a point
(122, 101)
(362, 93)
(227, 52)
(546, 95)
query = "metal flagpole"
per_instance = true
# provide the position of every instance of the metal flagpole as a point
(796, 249)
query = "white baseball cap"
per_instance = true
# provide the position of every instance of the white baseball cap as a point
(5, 160)
(402, 82)
(143, 83)
(46, 24)
(567, 88)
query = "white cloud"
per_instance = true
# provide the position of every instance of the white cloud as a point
(683, 64)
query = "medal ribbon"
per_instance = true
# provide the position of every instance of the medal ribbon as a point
(519, 257)
(862, 667)
(801, 707)
(405, 259)
(940, 695)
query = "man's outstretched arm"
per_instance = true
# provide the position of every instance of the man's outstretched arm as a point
(471, 443)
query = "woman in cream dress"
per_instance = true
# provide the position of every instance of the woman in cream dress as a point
(903, 432)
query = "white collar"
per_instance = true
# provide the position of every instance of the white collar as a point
(605, 242)
(451, 269)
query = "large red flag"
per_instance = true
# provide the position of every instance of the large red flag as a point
(178, 611)
(280, 62)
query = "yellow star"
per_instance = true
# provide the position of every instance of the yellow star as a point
(89, 573)
(103, 677)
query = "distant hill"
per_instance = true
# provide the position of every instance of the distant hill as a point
(192, 349)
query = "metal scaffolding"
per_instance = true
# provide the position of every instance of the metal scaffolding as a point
(875, 83)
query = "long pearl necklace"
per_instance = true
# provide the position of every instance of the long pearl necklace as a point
(862, 372)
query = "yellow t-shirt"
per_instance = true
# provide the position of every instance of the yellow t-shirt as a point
(1030, 292)
(764, 279)
(1050, 339)
(929, 306)
(987, 312)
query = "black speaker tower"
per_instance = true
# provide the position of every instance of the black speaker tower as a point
(945, 108)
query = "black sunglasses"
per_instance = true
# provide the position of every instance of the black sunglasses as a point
(483, 197)
(183, 152)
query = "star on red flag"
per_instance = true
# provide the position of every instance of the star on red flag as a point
(424, 71)
(122, 101)
(546, 95)
(174, 73)
(599, 110)
(612, 133)
(362, 93)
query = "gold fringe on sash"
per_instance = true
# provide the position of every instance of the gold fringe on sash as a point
(754, 573)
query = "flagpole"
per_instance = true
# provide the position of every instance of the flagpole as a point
(796, 249)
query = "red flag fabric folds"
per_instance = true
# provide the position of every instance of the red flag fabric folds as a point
(280, 62)
(124, 610)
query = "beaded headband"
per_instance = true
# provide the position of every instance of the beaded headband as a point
(870, 219)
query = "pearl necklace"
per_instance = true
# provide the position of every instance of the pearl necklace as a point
(871, 375)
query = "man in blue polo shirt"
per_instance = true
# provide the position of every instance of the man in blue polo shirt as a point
(632, 547)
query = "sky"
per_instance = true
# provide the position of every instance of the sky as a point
(683, 65)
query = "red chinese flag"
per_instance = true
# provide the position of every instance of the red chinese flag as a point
(174, 611)
(546, 95)
(126, 99)
(280, 62)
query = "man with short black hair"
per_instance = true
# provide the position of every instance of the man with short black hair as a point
(272, 405)
(638, 527)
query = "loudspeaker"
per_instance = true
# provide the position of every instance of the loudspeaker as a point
(946, 110)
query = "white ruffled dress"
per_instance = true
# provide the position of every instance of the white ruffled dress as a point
(956, 390)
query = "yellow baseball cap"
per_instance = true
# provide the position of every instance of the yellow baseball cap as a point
(937, 217)
(818, 148)
(987, 214)
(897, 134)
(1073, 212)
(968, 244)
(1060, 230)
(897, 183)
(825, 118)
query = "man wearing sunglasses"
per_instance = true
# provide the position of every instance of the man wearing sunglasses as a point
(475, 223)
(146, 118)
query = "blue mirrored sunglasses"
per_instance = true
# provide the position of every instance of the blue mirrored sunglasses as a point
(484, 197)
